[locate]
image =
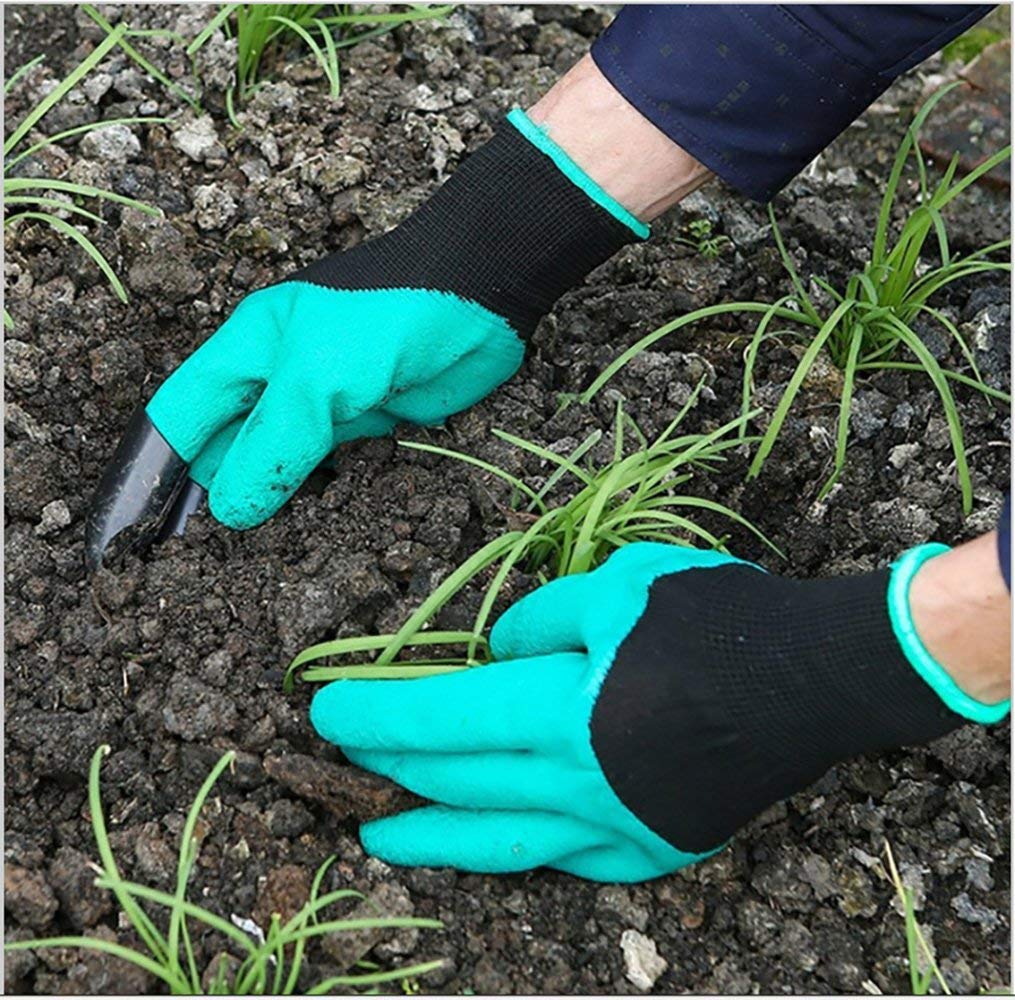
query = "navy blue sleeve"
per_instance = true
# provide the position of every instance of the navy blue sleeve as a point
(1004, 541)
(756, 91)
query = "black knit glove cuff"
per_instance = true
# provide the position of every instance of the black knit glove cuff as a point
(515, 226)
(737, 689)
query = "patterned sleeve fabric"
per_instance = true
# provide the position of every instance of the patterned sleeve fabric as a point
(756, 91)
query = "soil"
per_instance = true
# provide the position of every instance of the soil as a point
(177, 656)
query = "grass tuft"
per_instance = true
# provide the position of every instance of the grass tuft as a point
(267, 29)
(637, 496)
(270, 963)
(870, 325)
(40, 199)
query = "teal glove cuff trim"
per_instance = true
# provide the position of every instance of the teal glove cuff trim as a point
(903, 571)
(542, 141)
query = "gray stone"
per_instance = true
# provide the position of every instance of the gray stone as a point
(55, 517)
(112, 143)
(21, 365)
(195, 711)
(643, 965)
(196, 137)
(617, 899)
(97, 86)
(214, 206)
(902, 454)
(973, 913)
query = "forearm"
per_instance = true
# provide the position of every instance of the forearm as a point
(672, 93)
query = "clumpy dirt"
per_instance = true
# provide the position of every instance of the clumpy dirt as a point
(176, 657)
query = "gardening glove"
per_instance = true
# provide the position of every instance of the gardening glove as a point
(641, 713)
(415, 325)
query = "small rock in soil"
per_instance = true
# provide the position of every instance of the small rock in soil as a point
(974, 913)
(196, 711)
(643, 964)
(98, 973)
(28, 896)
(285, 891)
(196, 137)
(113, 144)
(343, 790)
(55, 516)
(74, 882)
(389, 899)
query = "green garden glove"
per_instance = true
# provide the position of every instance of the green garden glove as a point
(643, 712)
(412, 326)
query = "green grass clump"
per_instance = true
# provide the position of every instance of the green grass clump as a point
(325, 29)
(633, 497)
(868, 326)
(271, 965)
(34, 199)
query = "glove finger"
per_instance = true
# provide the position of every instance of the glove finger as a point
(494, 840)
(503, 706)
(374, 423)
(221, 381)
(549, 620)
(206, 465)
(491, 780)
(281, 442)
(622, 862)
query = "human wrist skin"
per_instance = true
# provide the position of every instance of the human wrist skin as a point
(961, 611)
(615, 144)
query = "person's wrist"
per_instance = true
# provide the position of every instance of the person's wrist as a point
(620, 149)
(960, 610)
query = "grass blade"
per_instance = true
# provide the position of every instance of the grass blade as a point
(373, 978)
(845, 405)
(81, 190)
(83, 241)
(692, 317)
(61, 89)
(223, 15)
(795, 382)
(153, 71)
(937, 376)
(19, 73)
(479, 463)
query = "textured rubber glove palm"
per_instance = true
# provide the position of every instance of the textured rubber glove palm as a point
(642, 713)
(413, 326)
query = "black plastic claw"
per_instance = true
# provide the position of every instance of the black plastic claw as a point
(188, 501)
(140, 487)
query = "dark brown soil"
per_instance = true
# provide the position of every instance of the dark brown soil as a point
(175, 657)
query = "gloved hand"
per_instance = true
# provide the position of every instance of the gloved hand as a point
(643, 712)
(415, 325)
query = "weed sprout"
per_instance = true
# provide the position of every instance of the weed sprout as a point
(269, 964)
(637, 497)
(869, 326)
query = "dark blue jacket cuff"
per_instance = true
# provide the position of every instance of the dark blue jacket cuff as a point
(755, 92)
(1004, 541)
